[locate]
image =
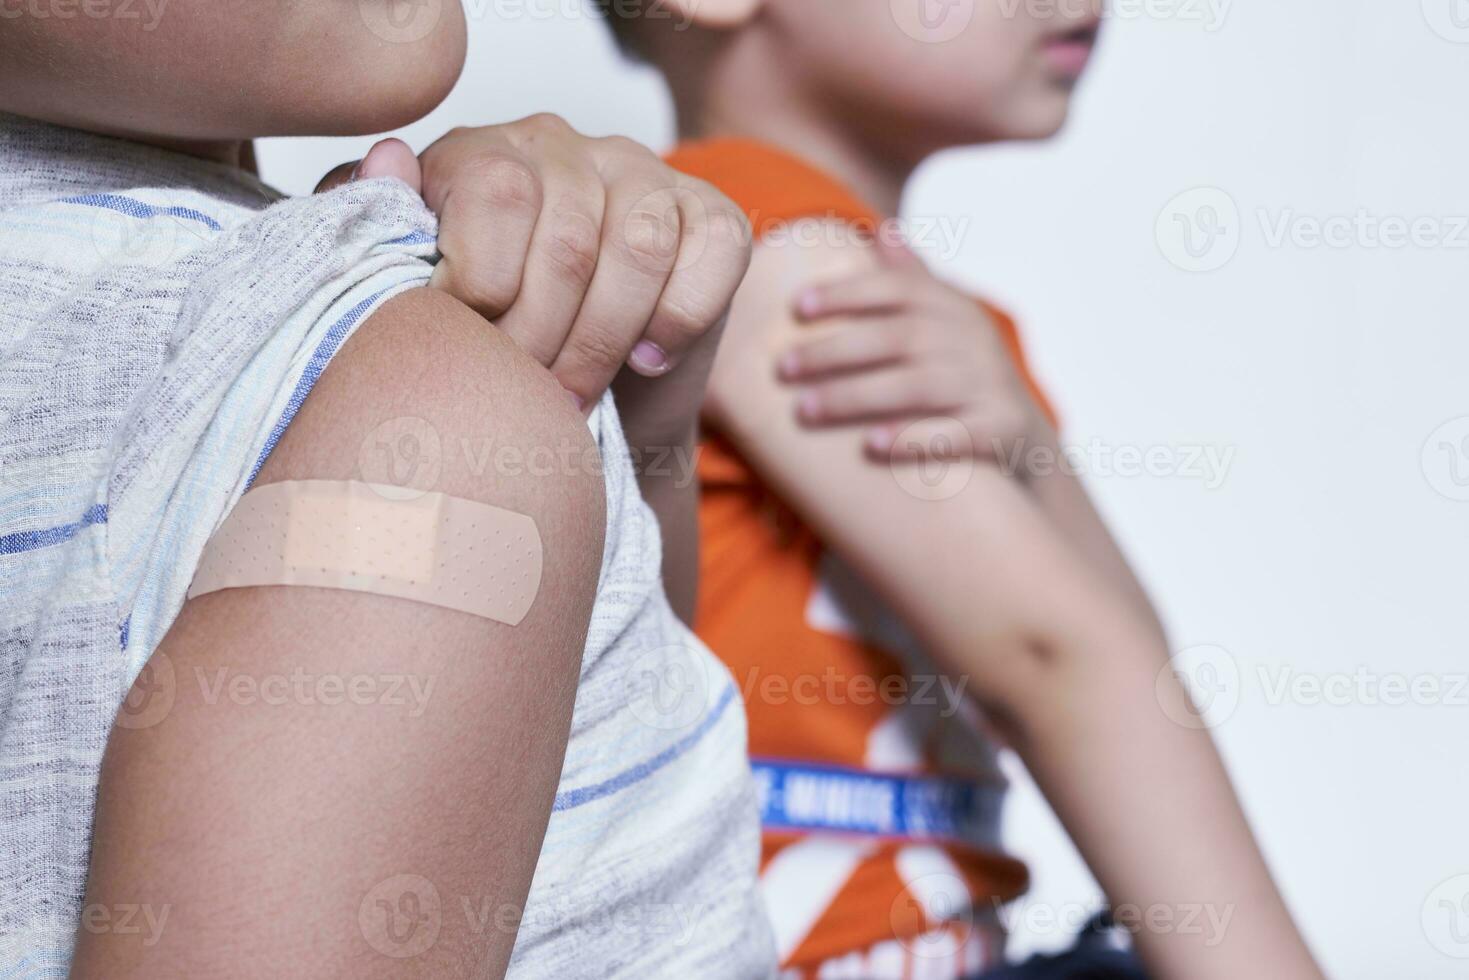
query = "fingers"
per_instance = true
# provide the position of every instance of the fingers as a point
(879, 394)
(392, 158)
(888, 290)
(488, 198)
(563, 258)
(848, 347)
(641, 232)
(713, 256)
(387, 158)
(591, 253)
(933, 438)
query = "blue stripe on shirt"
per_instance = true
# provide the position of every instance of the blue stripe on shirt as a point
(22, 541)
(587, 794)
(134, 208)
(314, 367)
(413, 238)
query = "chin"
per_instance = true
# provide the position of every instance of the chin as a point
(373, 89)
(1038, 119)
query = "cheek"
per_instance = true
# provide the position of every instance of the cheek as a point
(980, 77)
(231, 70)
(966, 83)
(993, 85)
(362, 65)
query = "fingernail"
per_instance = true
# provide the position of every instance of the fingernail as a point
(576, 400)
(357, 170)
(809, 302)
(648, 358)
(809, 405)
(881, 440)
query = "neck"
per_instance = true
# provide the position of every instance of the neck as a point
(731, 99)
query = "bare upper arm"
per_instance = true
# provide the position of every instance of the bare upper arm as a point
(342, 775)
(969, 561)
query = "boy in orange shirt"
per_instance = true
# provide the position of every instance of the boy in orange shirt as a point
(894, 599)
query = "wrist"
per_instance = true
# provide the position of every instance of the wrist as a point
(656, 414)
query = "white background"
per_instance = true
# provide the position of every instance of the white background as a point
(1331, 548)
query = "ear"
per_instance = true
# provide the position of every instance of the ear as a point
(713, 14)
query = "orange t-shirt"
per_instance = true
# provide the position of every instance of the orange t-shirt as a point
(880, 792)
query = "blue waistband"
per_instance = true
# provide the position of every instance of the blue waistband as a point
(800, 797)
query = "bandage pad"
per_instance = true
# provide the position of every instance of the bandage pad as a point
(365, 537)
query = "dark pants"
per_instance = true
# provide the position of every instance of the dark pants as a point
(1094, 957)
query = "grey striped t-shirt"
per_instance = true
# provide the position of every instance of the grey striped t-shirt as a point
(161, 320)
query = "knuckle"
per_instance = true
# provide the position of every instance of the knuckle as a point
(574, 245)
(690, 317)
(627, 147)
(596, 347)
(546, 122)
(651, 233)
(724, 224)
(487, 289)
(731, 234)
(504, 181)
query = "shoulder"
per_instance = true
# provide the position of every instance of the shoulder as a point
(745, 396)
(814, 246)
(438, 732)
(427, 394)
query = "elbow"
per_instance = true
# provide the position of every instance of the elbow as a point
(1037, 680)
(1023, 674)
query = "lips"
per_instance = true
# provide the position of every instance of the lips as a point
(1069, 53)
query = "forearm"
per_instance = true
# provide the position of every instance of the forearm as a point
(663, 438)
(1014, 587)
(1105, 730)
(1069, 672)
(1064, 500)
(671, 488)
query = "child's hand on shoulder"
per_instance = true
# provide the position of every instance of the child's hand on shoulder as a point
(916, 361)
(591, 253)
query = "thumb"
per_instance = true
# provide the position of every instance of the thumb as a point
(387, 158)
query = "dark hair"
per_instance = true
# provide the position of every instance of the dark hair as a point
(623, 27)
